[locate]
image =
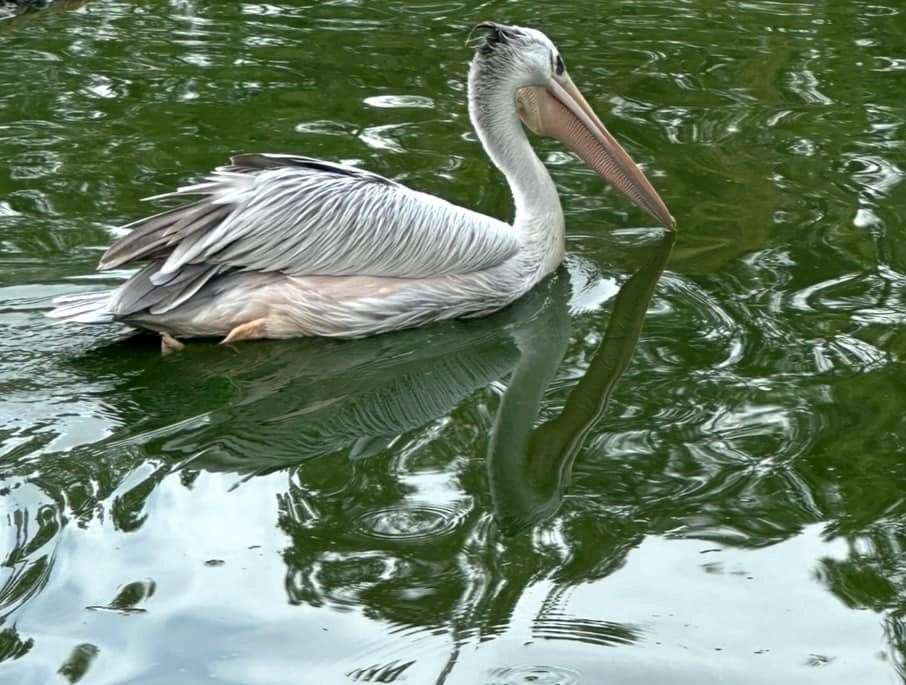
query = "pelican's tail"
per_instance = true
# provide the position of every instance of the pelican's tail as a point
(84, 308)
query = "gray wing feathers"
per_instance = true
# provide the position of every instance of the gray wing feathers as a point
(142, 291)
(157, 234)
(303, 216)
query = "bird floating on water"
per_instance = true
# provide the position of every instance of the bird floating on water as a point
(279, 246)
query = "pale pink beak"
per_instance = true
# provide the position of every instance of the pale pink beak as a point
(559, 110)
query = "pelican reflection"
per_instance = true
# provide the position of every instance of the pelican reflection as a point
(284, 403)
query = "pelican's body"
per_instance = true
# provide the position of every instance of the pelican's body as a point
(280, 246)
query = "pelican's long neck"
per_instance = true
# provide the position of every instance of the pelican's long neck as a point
(539, 217)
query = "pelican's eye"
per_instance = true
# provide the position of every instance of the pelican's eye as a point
(559, 66)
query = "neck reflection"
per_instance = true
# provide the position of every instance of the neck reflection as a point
(529, 467)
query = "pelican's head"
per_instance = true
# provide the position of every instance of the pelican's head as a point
(550, 104)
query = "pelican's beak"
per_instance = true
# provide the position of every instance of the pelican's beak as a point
(559, 110)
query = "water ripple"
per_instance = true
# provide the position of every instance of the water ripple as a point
(413, 523)
(400, 102)
(566, 627)
(532, 675)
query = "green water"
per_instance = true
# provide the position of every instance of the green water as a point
(642, 473)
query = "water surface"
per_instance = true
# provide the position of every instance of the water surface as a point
(674, 462)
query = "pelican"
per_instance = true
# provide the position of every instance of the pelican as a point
(279, 246)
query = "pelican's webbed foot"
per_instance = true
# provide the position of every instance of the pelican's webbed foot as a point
(252, 330)
(169, 344)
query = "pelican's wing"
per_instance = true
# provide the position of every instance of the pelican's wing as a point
(304, 216)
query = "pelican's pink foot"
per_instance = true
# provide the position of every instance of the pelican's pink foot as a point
(169, 344)
(252, 330)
